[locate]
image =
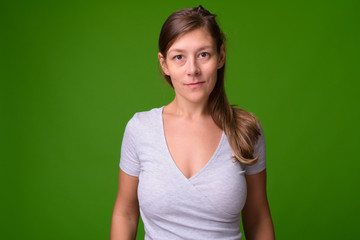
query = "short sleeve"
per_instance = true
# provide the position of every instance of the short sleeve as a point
(259, 150)
(129, 161)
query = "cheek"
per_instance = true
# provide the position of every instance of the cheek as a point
(212, 74)
(211, 71)
(175, 73)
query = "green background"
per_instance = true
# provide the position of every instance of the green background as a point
(74, 72)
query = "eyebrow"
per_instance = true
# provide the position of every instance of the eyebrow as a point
(181, 50)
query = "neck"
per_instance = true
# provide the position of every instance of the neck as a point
(187, 109)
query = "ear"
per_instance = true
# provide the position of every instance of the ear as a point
(221, 60)
(163, 64)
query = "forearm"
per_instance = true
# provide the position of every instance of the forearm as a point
(124, 227)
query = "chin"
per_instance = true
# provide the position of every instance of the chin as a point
(198, 98)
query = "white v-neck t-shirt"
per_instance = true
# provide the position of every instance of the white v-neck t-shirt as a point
(204, 206)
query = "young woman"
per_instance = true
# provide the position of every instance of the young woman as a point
(194, 167)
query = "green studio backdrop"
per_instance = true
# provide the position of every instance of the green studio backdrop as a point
(74, 72)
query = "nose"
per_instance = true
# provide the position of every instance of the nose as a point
(192, 68)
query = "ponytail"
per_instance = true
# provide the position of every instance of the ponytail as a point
(240, 126)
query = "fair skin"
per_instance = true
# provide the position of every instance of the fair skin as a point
(256, 216)
(192, 62)
(192, 136)
(126, 209)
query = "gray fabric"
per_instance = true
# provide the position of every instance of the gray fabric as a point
(205, 206)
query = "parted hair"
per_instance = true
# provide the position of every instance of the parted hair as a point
(240, 126)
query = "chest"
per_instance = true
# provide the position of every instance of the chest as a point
(220, 183)
(191, 145)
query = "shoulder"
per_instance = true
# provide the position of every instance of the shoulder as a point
(145, 119)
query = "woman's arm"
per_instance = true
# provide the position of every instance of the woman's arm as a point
(256, 213)
(126, 210)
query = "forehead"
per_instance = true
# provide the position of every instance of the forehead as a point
(193, 40)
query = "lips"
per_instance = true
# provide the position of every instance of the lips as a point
(194, 85)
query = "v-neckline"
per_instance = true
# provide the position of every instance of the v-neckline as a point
(172, 161)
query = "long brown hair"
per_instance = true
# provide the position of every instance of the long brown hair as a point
(240, 127)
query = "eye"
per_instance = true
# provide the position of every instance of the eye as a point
(204, 54)
(178, 57)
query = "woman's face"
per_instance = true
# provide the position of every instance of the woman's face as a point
(192, 62)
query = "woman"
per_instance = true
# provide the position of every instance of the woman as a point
(196, 164)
